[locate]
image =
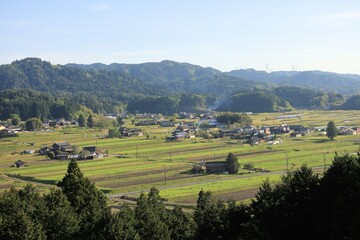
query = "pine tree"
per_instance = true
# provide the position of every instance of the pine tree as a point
(87, 201)
(90, 121)
(151, 216)
(17, 219)
(181, 225)
(122, 225)
(61, 220)
(339, 211)
(81, 121)
(279, 212)
(210, 217)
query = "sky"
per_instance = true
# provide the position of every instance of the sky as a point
(223, 34)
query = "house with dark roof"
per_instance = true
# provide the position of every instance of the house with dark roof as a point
(63, 147)
(62, 156)
(295, 134)
(217, 167)
(92, 152)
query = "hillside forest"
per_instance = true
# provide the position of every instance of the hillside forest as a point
(35, 88)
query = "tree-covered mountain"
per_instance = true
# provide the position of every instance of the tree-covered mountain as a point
(177, 77)
(254, 101)
(35, 74)
(318, 80)
(300, 97)
(27, 103)
(165, 87)
(279, 99)
(119, 81)
(353, 103)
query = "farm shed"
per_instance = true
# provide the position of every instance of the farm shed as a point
(217, 167)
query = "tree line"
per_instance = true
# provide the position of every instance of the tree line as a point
(29, 104)
(280, 99)
(302, 206)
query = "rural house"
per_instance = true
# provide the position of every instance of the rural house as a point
(217, 167)
(63, 147)
(129, 132)
(62, 156)
(295, 134)
(91, 152)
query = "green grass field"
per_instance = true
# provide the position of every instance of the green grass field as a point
(151, 161)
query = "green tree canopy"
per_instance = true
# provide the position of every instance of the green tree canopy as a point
(113, 133)
(230, 117)
(233, 162)
(33, 124)
(20, 215)
(151, 216)
(88, 202)
(90, 121)
(81, 121)
(331, 130)
(61, 220)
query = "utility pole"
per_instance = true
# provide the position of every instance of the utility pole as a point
(287, 162)
(170, 153)
(137, 152)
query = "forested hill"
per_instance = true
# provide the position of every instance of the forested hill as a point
(127, 81)
(168, 87)
(177, 77)
(35, 74)
(155, 72)
(122, 81)
(325, 81)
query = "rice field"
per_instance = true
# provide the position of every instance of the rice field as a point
(136, 164)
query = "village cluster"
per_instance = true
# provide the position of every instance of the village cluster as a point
(199, 125)
(64, 151)
(248, 134)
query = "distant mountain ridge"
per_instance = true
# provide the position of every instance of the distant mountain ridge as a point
(168, 86)
(175, 76)
(122, 80)
(318, 80)
(184, 74)
(35, 74)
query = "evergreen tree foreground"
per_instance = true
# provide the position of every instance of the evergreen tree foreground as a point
(302, 206)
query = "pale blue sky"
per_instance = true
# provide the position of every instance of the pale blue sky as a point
(226, 34)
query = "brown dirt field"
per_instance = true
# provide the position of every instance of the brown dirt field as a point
(181, 151)
(5, 186)
(239, 195)
(136, 174)
(149, 180)
(194, 159)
